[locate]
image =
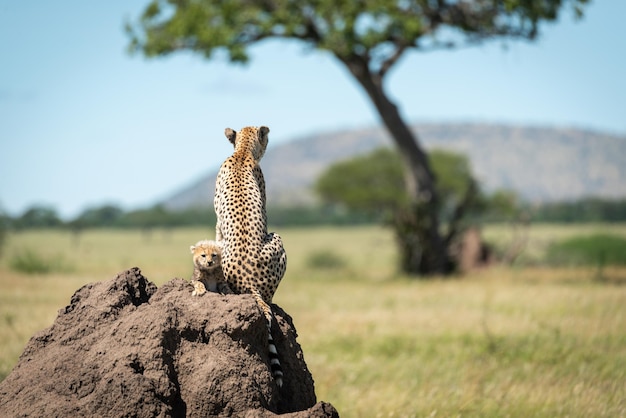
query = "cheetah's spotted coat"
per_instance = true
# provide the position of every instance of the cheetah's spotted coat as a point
(253, 260)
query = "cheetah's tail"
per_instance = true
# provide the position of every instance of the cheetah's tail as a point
(277, 370)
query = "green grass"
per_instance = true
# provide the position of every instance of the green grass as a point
(532, 340)
(325, 260)
(596, 250)
(540, 237)
(29, 262)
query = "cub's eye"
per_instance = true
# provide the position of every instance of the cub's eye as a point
(203, 255)
(214, 255)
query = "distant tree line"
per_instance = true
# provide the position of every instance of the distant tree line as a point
(111, 216)
(590, 209)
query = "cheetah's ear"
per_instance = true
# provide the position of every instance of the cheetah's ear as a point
(263, 131)
(231, 135)
(193, 247)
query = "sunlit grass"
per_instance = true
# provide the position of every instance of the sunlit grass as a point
(524, 341)
(540, 237)
(596, 249)
(475, 347)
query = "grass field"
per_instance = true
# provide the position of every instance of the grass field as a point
(519, 341)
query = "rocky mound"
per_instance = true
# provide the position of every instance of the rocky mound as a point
(124, 348)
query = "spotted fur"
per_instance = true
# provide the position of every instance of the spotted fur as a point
(207, 268)
(254, 261)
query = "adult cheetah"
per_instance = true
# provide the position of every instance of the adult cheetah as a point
(253, 260)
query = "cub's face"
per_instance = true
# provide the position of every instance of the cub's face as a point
(207, 255)
(252, 138)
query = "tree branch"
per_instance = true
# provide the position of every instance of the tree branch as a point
(459, 212)
(389, 62)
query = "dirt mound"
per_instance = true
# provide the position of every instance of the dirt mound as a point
(126, 348)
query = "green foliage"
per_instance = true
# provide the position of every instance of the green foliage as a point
(370, 183)
(350, 205)
(453, 172)
(584, 210)
(148, 218)
(29, 262)
(374, 183)
(377, 31)
(596, 249)
(315, 216)
(454, 181)
(503, 204)
(4, 227)
(38, 217)
(325, 260)
(104, 216)
(156, 216)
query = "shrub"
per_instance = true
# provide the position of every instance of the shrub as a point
(325, 259)
(29, 262)
(597, 249)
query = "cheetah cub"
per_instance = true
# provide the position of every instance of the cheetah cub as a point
(207, 268)
(208, 273)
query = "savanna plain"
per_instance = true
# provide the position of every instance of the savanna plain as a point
(528, 340)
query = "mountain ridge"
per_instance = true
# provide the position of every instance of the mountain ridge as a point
(541, 164)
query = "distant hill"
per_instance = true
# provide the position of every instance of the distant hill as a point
(541, 164)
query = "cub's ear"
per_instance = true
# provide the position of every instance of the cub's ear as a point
(193, 247)
(231, 135)
(263, 131)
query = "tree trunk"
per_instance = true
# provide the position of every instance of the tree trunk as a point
(417, 227)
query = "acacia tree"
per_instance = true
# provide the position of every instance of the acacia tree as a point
(372, 183)
(368, 37)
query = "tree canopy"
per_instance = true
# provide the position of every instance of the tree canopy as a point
(377, 31)
(38, 217)
(374, 183)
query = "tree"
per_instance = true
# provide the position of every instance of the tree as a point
(371, 183)
(104, 216)
(4, 227)
(38, 217)
(368, 37)
(374, 183)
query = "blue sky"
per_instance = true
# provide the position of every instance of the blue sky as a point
(83, 124)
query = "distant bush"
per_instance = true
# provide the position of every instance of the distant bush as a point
(3, 237)
(317, 215)
(37, 217)
(325, 259)
(598, 249)
(588, 209)
(29, 262)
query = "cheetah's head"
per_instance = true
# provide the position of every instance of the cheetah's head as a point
(251, 138)
(207, 255)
